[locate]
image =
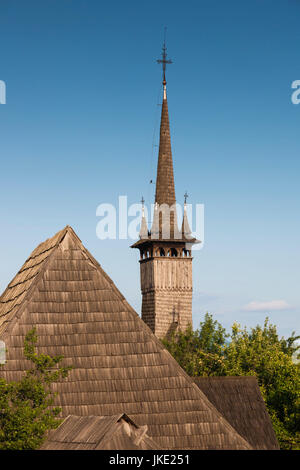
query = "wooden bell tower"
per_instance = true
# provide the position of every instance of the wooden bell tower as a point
(165, 251)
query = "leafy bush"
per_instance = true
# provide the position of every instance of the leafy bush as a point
(26, 407)
(211, 351)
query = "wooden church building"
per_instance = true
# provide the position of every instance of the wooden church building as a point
(125, 389)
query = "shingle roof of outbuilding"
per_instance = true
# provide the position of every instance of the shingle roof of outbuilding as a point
(119, 365)
(117, 432)
(240, 401)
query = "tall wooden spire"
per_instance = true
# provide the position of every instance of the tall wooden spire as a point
(165, 187)
(165, 200)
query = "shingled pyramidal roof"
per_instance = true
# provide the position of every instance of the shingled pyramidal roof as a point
(119, 366)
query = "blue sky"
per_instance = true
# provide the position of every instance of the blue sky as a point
(77, 130)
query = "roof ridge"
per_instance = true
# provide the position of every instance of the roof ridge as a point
(35, 279)
(110, 430)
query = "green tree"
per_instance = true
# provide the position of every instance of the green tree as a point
(26, 406)
(260, 352)
(199, 352)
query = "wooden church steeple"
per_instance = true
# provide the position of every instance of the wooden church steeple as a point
(165, 251)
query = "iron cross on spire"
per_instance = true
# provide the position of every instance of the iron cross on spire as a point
(164, 61)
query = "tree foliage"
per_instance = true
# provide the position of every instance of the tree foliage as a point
(26, 407)
(259, 351)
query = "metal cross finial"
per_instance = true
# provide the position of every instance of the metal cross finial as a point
(185, 197)
(164, 61)
(142, 201)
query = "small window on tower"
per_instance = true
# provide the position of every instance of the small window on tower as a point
(174, 252)
(162, 252)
